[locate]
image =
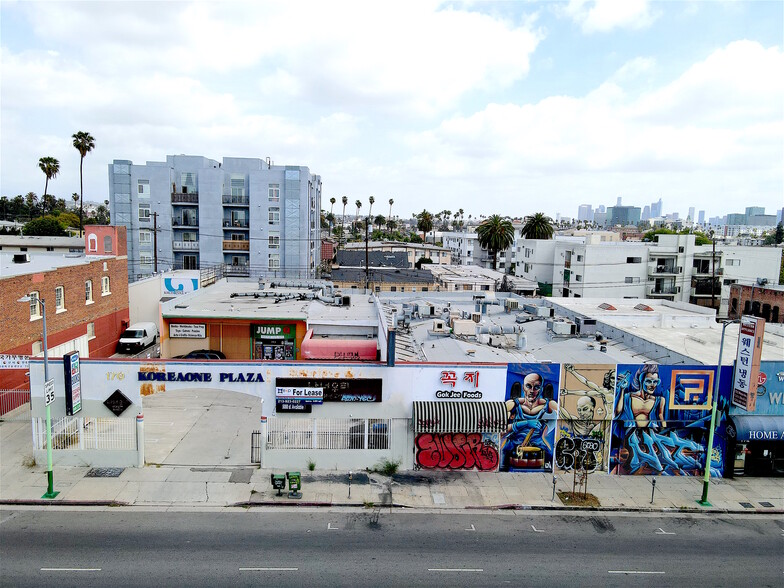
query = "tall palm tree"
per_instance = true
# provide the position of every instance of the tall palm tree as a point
(51, 167)
(345, 201)
(84, 143)
(537, 226)
(424, 223)
(391, 202)
(495, 234)
(356, 216)
(370, 210)
(331, 204)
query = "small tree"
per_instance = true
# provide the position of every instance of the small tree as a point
(44, 226)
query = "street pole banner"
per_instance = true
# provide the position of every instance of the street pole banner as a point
(747, 363)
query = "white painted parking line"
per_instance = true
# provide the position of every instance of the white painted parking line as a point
(455, 570)
(631, 572)
(537, 530)
(331, 528)
(268, 569)
(663, 532)
(472, 528)
(70, 569)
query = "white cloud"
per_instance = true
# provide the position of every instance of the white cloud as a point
(602, 16)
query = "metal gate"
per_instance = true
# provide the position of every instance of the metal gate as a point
(15, 405)
(255, 447)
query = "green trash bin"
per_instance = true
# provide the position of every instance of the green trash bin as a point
(295, 484)
(278, 482)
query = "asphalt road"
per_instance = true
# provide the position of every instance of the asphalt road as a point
(377, 548)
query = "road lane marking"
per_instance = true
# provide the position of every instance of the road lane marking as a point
(537, 530)
(663, 532)
(472, 528)
(331, 528)
(455, 570)
(631, 572)
(268, 569)
(70, 569)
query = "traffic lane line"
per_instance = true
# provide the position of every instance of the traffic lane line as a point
(632, 572)
(70, 569)
(268, 569)
(455, 570)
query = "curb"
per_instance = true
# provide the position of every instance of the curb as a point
(664, 509)
(43, 502)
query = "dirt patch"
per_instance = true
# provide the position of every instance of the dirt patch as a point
(578, 499)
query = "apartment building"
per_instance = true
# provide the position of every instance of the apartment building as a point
(413, 251)
(671, 268)
(466, 250)
(191, 212)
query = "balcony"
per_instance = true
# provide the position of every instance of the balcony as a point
(663, 291)
(664, 269)
(236, 223)
(236, 245)
(185, 245)
(180, 198)
(232, 200)
(237, 271)
(703, 271)
(185, 222)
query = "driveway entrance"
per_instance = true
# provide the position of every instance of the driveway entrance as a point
(199, 427)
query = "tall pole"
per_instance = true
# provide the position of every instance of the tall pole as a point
(713, 279)
(50, 493)
(155, 239)
(704, 500)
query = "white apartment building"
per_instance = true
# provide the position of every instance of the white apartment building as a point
(246, 215)
(466, 250)
(672, 268)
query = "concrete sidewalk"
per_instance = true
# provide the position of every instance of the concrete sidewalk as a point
(244, 485)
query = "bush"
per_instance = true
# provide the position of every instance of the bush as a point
(311, 465)
(386, 467)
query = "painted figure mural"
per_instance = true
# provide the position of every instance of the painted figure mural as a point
(532, 409)
(585, 412)
(662, 417)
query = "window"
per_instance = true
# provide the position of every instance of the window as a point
(237, 185)
(35, 307)
(59, 298)
(633, 260)
(145, 236)
(143, 187)
(578, 278)
(732, 262)
(91, 330)
(632, 280)
(274, 240)
(88, 292)
(144, 213)
(274, 215)
(274, 192)
(38, 347)
(105, 286)
(92, 243)
(580, 258)
(485, 287)
(424, 289)
(274, 261)
(145, 260)
(393, 288)
(189, 236)
(730, 282)
(107, 244)
(188, 180)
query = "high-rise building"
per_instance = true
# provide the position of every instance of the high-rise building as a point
(601, 208)
(701, 217)
(754, 211)
(243, 214)
(656, 209)
(736, 218)
(623, 215)
(646, 213)
(585, 212)
(618, 203)
(691, 214)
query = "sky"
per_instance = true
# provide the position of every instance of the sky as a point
(502, 108)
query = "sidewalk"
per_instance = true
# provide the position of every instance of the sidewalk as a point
(203, 486)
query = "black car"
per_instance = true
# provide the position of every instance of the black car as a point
(202, 354)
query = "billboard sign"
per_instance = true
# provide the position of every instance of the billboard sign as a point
(747, 363)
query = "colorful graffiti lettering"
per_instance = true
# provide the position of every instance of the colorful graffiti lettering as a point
(457, 451)
(577, 453)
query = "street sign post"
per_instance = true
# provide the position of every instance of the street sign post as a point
(49, 392)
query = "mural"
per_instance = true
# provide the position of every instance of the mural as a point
(662, 417)
(585, 411)
(532, 409)
(457, 451)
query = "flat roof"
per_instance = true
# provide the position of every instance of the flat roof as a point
(42, 261)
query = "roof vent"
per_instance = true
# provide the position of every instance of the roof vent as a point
(21, 258)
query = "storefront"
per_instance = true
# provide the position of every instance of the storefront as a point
(756, 438)
(274, 342)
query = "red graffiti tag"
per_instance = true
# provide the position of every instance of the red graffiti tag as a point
(456, 451)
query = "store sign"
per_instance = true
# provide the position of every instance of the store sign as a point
(299, 395)
(180, 331)
(229, 377)
(118, 403)
(747, 363)
(338, 389)
(73, 383)
(463, 379)
(276, 331)
(14, 362)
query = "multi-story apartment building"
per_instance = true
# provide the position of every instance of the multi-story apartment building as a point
(466, 250)
(413, 251)
(672, 268)
(245, 214)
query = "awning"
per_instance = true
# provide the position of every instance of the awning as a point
(745, 428)
(459, 417)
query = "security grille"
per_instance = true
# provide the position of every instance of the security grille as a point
(14, 405)
(86, 433)
(300, 433)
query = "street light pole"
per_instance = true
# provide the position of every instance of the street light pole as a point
(50, 492)
(704, 500)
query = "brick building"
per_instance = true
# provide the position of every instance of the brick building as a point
(760, 301)
(85, 297)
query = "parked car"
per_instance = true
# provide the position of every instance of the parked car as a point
(202, 354)
(137, 337)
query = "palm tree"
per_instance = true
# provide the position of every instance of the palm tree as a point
(356, 216)
(51, 167)
(370, 210)
(331, 204)
(424, 223)
(391, 202)
(84, 143)
(379, 220)
(495, 234)
(344, 200)
(537, 226)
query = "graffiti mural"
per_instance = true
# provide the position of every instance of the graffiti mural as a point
(662, 419)
(457, 451)
(585, 411)
(532, 409)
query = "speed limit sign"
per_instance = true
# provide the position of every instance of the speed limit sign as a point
(49, 392)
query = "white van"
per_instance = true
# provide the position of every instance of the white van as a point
(137, 337)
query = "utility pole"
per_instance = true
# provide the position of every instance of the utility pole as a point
(367, 267)
(713, 280)
(155, 239)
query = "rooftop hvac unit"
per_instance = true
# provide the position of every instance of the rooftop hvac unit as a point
(586, 326)
(476, 317)
(511, 304)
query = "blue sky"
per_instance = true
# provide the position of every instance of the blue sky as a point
(492, 107)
